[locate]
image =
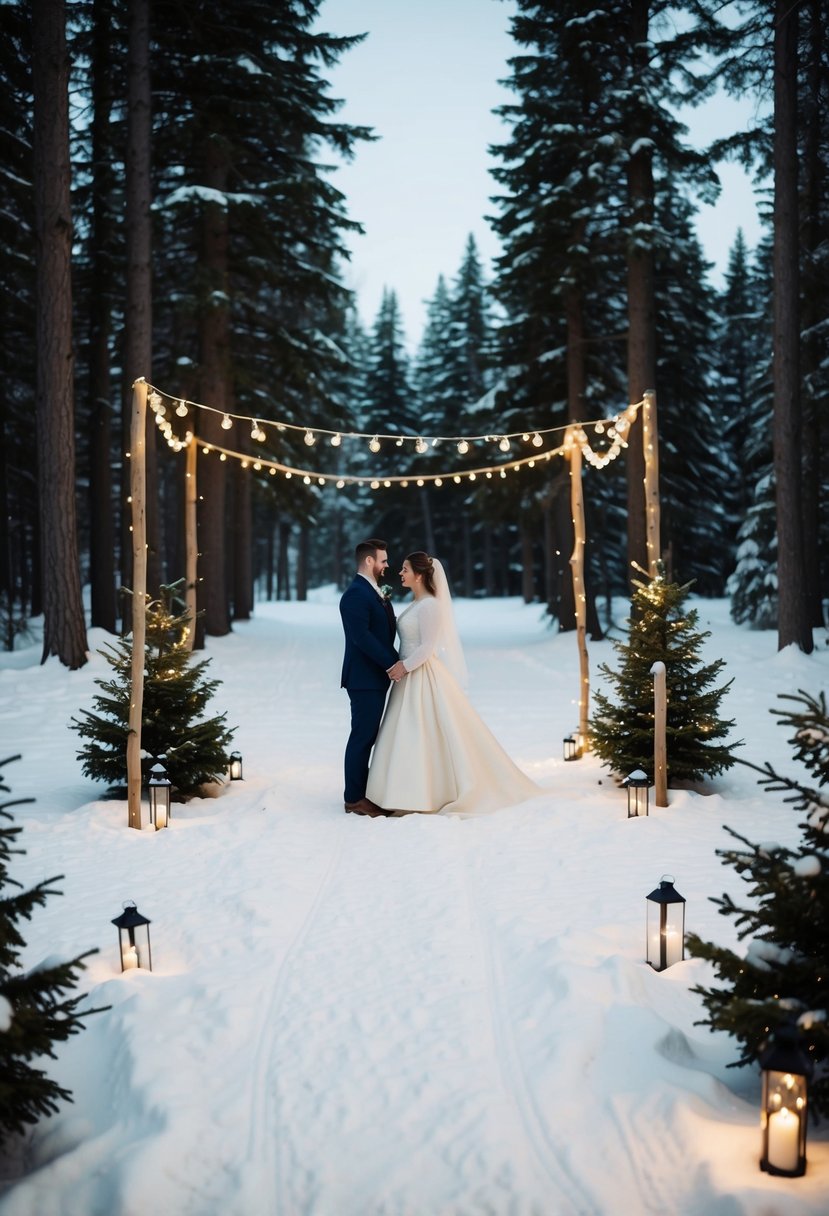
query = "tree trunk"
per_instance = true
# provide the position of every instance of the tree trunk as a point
(641, 352)
(302, 562)
(138, 320)
(214, 341)
(64, 633)
(242, 545)
(468, 564)
(813, 344)
(428, 531)
(792, 617)
(527, 563)
(101, 518)
(283, 589)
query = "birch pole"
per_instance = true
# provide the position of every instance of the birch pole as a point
(650, 445)
(190, 539)
(660, 750)
(138, 491)
(577, 567)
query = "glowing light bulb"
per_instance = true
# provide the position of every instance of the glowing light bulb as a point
(227, 422)
(181, 410)
(504, 444)
(537, 440)
(374, 445)
(310, 438)
(421, 445)
(336, 440)
(463, 447)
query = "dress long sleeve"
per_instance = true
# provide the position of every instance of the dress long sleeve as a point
(428, 620)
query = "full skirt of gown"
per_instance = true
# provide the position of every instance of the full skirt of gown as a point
(434, 753)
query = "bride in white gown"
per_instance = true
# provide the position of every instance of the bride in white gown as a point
(433, 752)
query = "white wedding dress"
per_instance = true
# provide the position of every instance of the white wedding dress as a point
(433, 752)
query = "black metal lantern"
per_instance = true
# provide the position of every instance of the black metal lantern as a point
(665, 925)
(637, 786)
(159, 788)
(787, 1070)
(133, 939)
(571, 747)
(235, 766)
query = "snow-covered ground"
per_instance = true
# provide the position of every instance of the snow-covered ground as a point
(427, 1016)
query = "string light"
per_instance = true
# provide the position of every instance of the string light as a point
(181, 409)
(156, 401)
(504, 444)
(374, 445)
(421, 446)
(310, 438)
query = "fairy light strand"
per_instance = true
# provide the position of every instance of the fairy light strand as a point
(374, 439)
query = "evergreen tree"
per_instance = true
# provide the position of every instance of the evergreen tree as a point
(784, 972)
(752, 585)
(662, 629)
(693, 468)
(36, 1008)
(176, 692)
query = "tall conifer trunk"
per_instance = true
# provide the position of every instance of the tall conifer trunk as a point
(641, 352)
(64, 633)
(214, 344)
(101, 520)
(792, 620)
(813, 343)
(138, 332)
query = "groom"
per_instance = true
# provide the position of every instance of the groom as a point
(369, 625)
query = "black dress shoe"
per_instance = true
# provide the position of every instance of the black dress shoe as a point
(364, 806)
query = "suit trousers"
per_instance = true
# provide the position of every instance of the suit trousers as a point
(367, 706)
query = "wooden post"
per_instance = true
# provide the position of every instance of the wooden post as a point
(577, 567)
(138, 490)
(650, 444)
(660, 753)
(191, 538)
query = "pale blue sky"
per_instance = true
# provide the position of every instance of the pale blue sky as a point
(426, 79)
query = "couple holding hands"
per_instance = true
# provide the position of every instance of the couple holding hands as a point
(431, 750)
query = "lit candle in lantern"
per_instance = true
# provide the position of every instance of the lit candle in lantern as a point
(130, 958)
(784, 1140)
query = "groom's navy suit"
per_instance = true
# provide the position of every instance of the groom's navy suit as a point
(369, 628)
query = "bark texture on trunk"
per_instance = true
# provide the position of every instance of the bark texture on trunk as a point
(641, 351)
(101, 518)
(64, 632)
(138, 320)
(792, 617)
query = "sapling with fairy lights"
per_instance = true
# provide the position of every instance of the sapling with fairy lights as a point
(663, 629)
(176, 692)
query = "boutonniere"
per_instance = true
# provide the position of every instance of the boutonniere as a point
(386, 591)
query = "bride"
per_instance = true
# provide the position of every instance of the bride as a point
(433, 752)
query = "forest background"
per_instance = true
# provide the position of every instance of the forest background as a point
(169, 210)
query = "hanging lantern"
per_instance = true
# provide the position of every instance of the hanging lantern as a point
(133, 939)
(787, 1070)
(159, 788)
(571, 748)
(665, 925)
(235, 766)
(637, 787)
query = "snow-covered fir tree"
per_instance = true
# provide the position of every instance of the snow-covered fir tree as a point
(783, 973)
(37, 1006)
(194, 748)
(662, 629)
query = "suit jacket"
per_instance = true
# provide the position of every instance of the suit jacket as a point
(369, 636)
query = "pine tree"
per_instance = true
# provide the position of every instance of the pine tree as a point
(662, 629)
(784, 973)
(36, 1009)
(176, 692)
